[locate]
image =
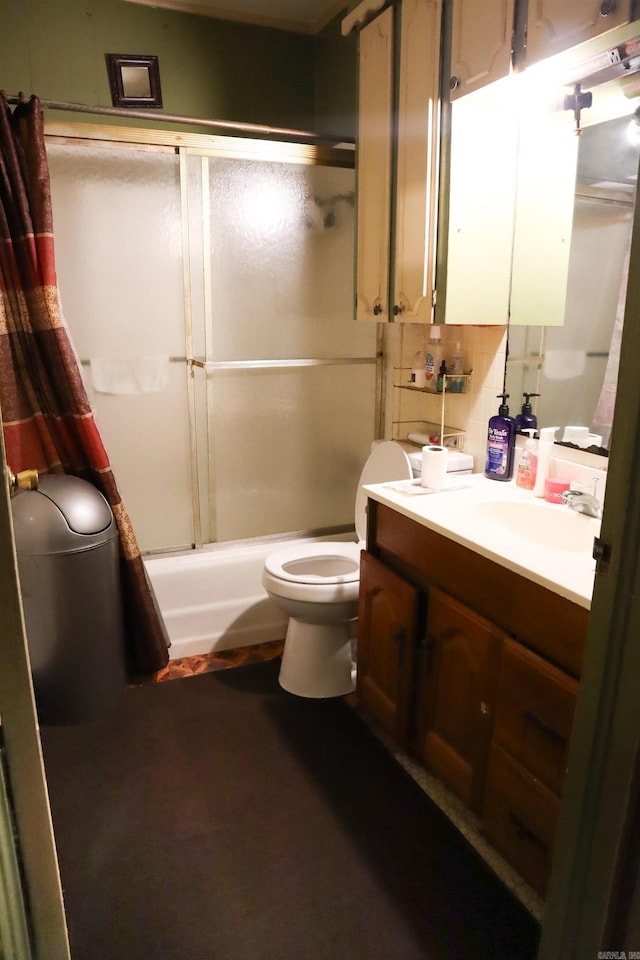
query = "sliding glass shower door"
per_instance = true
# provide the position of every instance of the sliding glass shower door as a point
(289, 381)
(233, 274)
(118, 238)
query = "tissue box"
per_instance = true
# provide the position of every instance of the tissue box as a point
(457, 462)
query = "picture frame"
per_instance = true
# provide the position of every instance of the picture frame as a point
(134, 80)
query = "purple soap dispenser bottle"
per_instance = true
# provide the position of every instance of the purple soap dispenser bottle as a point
(501, 440)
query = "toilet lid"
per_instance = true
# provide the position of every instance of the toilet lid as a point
(322, 562)
(387, 461)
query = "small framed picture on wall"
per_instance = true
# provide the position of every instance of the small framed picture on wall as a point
(134, 81)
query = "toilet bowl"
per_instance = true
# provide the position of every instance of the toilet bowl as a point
(317, 585)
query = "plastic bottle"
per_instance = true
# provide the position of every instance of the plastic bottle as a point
(545, 446)
(455, 383)
(526, 420)
(418, 370)
(528, 465)
(442, 372)
(501, 440)
(434, 357)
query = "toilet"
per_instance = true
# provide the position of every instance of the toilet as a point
(317, 583)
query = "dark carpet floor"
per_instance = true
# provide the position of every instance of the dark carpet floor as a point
(218, 818)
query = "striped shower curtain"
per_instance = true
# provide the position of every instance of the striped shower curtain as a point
(48, 423)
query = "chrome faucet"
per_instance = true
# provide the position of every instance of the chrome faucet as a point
(583, 503)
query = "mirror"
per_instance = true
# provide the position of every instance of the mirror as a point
(574, 366)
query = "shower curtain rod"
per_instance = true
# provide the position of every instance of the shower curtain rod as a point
(195, 121)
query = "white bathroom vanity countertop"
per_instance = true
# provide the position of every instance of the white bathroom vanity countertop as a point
(547, 543)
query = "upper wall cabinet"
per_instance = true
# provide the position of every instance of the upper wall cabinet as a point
(482, 191)
(556, 25)
(375, 113)
(417, 161)
(481, 38)
(404, 209)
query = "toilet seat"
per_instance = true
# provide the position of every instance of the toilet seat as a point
(387, 461)
(333, 562)
(336, 562)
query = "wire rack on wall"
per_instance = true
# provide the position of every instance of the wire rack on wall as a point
(421, 432)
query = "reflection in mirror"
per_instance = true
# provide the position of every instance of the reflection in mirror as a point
(574, 367)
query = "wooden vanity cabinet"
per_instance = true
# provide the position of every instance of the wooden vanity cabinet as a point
(475, 669)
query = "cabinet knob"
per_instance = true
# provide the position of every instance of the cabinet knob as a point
(607, 7)
(454, 82)
(397, 308)
(377, 310)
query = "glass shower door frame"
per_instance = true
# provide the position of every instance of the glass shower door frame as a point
(204, 468)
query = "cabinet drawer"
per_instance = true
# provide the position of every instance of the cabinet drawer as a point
(520, 818)
(534, 714)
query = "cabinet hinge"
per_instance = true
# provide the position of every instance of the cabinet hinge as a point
(434, 297)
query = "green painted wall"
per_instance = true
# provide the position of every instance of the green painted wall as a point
(335, 81)
(209, 68)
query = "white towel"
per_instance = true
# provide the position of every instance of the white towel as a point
(129, 376)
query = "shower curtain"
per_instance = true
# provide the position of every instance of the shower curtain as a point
(48, 422)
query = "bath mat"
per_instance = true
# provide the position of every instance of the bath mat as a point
(217, 817)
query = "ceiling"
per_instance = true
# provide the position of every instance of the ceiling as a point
(301, 16)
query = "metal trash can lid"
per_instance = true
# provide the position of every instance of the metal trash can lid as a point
(64, 515)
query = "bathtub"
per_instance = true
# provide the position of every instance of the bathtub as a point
(213, 599)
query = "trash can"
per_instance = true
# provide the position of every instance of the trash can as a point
(67, 548)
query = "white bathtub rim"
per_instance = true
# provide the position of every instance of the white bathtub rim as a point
(207, 623)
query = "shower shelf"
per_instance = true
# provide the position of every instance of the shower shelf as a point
(436, 432)
(447, 437)
(453, 384)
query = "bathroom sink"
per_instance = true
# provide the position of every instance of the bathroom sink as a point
(546, 525)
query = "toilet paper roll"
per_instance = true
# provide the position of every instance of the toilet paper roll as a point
(434, 467)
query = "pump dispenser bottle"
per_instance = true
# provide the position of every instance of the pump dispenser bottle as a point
(528, 465)
(526, 419)
(501, 439)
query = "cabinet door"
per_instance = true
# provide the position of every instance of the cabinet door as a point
(482, 200)
(417, 161)
(375, 98)
(387, 619)
(557, 25)
(457, 697)
(480, 43)
(546, 172)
